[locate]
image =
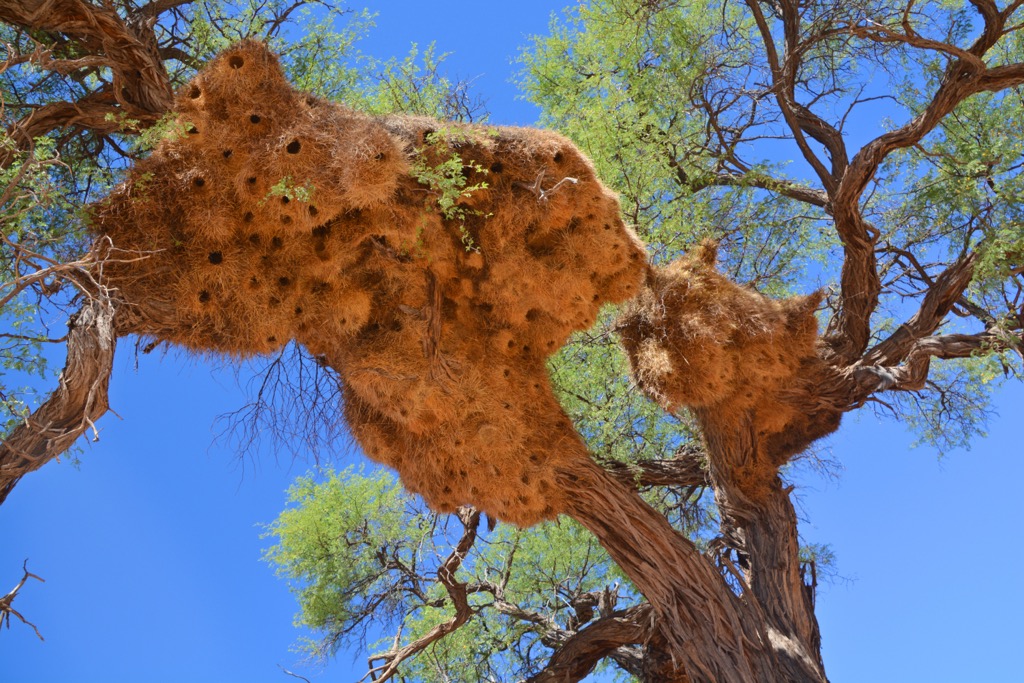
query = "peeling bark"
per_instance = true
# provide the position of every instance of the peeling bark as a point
(74, 407)
(140, 89)
(765, 532)
(746, 620)
(710, 629)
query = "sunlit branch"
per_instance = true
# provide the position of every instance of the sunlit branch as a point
(6, 608)
(940, 298)
(391, 660)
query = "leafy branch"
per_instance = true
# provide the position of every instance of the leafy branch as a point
(449, 183)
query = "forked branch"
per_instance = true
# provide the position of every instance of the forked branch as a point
(6, 609)
(578, 656)
(390, 660)
(140, 87)
(966, 75)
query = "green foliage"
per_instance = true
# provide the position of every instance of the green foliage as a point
(169, 127)
(668, 99)
(958, 393)
(286, 188)
(316, 40)
(361, 556)
(448, 180)
(416, 85)
(820, 559)
(631, 100)
(337, 545)
(40, 231)
(46, 187)
(961, 189)
(591, 376)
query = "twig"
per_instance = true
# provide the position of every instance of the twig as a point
(290, 673)
(542, 194)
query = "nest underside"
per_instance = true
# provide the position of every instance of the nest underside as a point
(435, 266)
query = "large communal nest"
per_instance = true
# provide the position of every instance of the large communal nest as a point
(278, 216)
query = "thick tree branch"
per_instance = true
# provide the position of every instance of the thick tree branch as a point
(947, 288)
(911, 375)
(761, 524)
(1001, 77)
(578, 656)
(685, 470)
(74, 407)
(141, 88)
(849, 331)
(140, 80)
(706, 626)
(90, 112)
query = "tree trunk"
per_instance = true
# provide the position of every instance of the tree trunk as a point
(712, 633)
(759, 522)
(762, 630)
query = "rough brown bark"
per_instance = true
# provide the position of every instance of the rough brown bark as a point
(73, 408)
(578, 656)
(139, 90)
(686, 470)
(457, 593)
(708, 627)
(764, 530)
(127, 46)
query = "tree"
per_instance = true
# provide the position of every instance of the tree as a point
(672, 102)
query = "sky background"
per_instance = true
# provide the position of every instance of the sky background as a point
(151, 548)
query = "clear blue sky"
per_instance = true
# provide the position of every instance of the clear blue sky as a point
(151, 549)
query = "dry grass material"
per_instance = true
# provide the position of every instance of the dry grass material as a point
(278, 216)
(738, 359)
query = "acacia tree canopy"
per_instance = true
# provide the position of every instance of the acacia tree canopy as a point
(913, 232)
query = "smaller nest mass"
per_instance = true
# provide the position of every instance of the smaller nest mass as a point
(434, 265)
(736, 358)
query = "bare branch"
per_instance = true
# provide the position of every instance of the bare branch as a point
(783, 83)
(470, 519)
(849, 331)
(292, 674)
(939, 300)
(883, 34)
(786, 188)
(6, 610)
(685, 470)
(913, 374)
